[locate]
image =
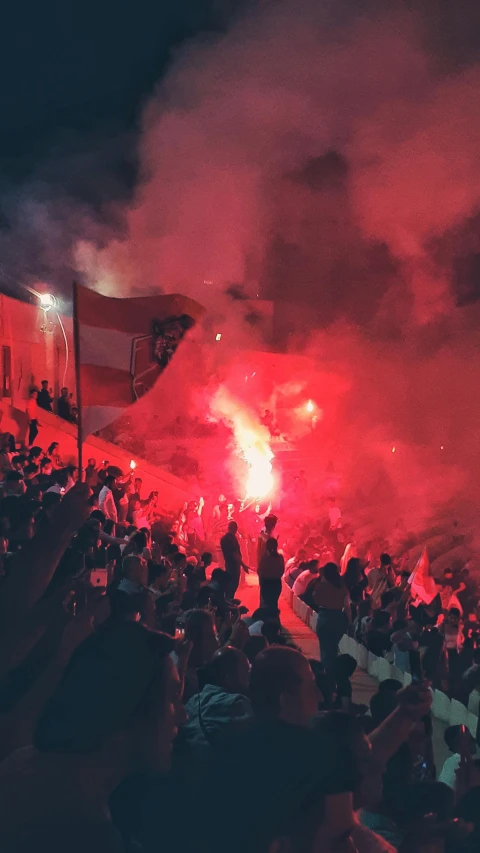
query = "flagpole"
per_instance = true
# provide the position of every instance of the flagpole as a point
(76, 346)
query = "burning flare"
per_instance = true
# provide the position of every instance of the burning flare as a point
(251, 442)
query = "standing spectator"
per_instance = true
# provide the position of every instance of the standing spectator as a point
(91, 477)
(44, 399)
(102, 472)
(356, 582)
(63, 405)
(193, 526)
(32, 413)
(106, 500)
(6, 463)
(452, 630)
(381, 579)
(334, 514)
(264, 535)
(135, 495)
(232, 555)
(334, 614)
(270, 573)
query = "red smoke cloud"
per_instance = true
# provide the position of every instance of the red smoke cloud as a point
(323, 162)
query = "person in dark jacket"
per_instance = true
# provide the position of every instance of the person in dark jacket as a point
(44, 400)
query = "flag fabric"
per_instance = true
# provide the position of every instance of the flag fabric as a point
(124, 345)
(422, 581)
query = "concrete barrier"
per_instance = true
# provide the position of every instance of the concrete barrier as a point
(447, 710)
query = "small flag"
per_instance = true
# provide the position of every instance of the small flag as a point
(422, 581)
(124, 345)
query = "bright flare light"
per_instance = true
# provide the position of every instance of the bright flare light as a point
(310, 406)
(218, 336)
(258, 456)
(251, 443)
(133, 464)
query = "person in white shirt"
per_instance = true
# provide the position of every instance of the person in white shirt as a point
(60, 486)
(334, 514)
(293, 562)
(301, 584)
(139, 515)
(106, 501)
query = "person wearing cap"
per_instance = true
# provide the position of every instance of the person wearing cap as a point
(115, 713)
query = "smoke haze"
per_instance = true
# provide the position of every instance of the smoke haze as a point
(325, 156)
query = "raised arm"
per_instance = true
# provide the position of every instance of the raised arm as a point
(415, 702)
(31, 570)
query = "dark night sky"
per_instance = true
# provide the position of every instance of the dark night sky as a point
(88, 65)
(85, 67)
(75, 76)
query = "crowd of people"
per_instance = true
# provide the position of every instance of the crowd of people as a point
(375, 604)
(143, 708)
(42, 398)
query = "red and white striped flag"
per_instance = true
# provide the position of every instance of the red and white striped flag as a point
(124, 345)
(422, 581)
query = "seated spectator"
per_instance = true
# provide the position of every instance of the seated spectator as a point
(61, 478)
(344, 667)
(403, 642)
(385, 700)
(254, 645)
(293, 562)
(204, 564)
(470, 679)
(45, 476)
(311, 573)
(283, 687)
(378, 641)
(19, 462)
(137, 545)
(460, 742)
(200, 632)
(13, 484)
(294, 573)
(221, 703)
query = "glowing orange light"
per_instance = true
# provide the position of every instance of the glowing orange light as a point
(218, 336)
(394, 449)
(310, 406)
(251, 443)
(133, 464)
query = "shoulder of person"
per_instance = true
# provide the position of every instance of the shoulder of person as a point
(369, 841)
(74, 835)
